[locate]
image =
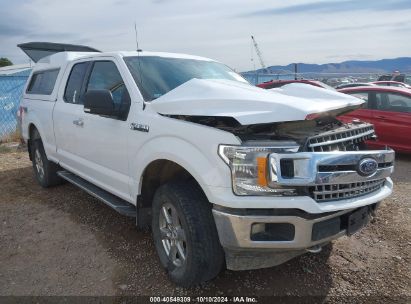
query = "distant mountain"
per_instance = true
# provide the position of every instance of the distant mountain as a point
(402, 64)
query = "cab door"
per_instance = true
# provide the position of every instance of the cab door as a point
(102, 141)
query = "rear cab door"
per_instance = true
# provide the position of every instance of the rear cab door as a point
(69, 112)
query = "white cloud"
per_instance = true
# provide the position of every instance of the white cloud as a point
(216, 29)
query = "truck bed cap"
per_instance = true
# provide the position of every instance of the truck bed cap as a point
(39, 50)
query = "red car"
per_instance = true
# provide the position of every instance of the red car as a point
(389, 109)
(279, 83)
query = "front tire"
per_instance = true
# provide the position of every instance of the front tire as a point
(45, 171)
(185, 235)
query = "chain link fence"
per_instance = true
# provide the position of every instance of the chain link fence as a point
(11, 90)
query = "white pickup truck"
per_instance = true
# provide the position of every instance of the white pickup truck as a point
(225, 173)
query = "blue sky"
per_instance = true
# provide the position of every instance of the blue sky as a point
(287, 31)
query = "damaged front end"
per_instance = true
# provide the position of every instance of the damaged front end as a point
(258, 169)
(324, 133)
(321, 161)
(307, 178)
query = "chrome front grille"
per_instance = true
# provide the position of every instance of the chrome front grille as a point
(344, 140)
(332, 192)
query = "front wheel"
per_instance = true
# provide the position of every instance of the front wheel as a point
(185, 235)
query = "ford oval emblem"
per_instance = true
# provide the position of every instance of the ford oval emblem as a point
(367, 166)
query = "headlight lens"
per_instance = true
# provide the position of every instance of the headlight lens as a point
(250, 168)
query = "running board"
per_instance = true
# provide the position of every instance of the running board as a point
(121, 206)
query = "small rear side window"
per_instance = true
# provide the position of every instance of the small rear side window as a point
(74, 88)
(43, 82)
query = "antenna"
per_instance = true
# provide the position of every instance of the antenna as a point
(135, 30)
(139, 63)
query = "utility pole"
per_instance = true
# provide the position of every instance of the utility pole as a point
(295, 71)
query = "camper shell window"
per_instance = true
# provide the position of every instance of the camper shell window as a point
(42, 82)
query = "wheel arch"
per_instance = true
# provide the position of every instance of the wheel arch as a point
(204, 165)
(157, 173)
(32, 131)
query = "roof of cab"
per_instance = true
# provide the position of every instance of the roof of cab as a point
(62, 58)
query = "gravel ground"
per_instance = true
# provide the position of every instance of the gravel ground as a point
(61, 241)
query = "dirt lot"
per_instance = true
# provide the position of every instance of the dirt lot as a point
(61, 241)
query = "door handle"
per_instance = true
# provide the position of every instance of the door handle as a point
(380, 117)
(78, 122)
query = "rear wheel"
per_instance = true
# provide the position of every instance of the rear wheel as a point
(44, 170)
(185, 235)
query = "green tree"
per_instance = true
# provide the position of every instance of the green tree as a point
(5, 62)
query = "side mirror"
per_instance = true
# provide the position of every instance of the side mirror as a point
(99, 102)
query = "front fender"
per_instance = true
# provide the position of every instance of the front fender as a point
(207, 168)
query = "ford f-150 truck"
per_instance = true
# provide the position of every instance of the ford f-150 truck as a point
(226, 174)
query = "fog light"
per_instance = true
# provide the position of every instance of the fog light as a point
(274, 232)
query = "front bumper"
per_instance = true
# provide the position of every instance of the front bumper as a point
(235, 231)
(295, 231)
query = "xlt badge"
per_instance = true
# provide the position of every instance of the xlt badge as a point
(139, 127)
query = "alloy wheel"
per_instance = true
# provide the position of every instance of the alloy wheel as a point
(173, 236)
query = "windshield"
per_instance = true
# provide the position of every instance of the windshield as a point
(155, 76)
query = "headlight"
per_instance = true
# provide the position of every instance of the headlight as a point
(250, 169)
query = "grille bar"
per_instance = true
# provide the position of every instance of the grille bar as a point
(347, 139)
(342, 139)
(332, 192)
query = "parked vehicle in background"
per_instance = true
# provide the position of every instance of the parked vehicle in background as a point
(386, 77)
(389, 110)
(390, 83)
(404, 78)
(353, 85)
(225, 173)
(279, 83)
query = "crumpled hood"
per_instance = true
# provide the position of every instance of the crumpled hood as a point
(248, 104)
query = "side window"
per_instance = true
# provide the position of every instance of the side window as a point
(73, 93)
(43, 82)
(380, 100)
(105, 76)
(363, 96)
(396, 103)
